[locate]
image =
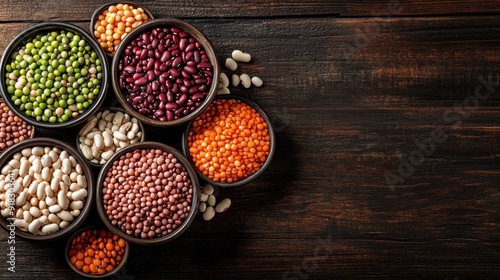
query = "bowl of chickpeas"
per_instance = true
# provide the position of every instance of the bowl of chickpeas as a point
(111, 22)
(231, 143)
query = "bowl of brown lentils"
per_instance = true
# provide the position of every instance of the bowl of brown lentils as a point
(147, 193)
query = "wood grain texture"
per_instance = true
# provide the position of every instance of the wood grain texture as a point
(350, 98)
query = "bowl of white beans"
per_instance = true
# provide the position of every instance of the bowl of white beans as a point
(46, 189)
(106, 132)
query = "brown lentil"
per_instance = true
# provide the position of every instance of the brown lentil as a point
(147, 193)
(229, 141)
(12, 129)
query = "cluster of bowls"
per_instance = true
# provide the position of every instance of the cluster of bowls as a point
(110, 76)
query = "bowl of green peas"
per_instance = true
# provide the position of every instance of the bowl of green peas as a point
(54, 75)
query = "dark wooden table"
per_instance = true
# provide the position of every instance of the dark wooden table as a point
(387, 164)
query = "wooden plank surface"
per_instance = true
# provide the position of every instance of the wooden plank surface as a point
(351, 99)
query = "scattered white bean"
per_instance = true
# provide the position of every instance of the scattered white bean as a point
(208, 189)
(235, 80)
(223, 205)
(241, 56)
(211, 200)
(209, 213)
(231, 64)
(246, 82)
(202, 207)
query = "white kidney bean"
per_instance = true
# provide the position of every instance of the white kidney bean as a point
(209, 213)
(24, 167)
(54, 218)
(256, 81)
(211, 200)
(223, 205)
(231, 64)
(27, 216)
(224, 79)
(235, 80)
(65, 215)
(204, 197)
(223, 91)
(246, 82)
(63, 224)
(208, 189)
(79, 195)
(241, 56)
(76, 205)
(50, 228)
(34, 226)
(202, 207)
(21, 199)
(66, 166)
(35, 212)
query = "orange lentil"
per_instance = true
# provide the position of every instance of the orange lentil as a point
(86, 256)
(115, 19)
(229, 141)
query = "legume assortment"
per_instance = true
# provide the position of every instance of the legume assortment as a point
(54, 77)
(229, 141)
(115, 22)
(12, 129)
(96, 252)
(165, 73)
(147, 193)
(49, 188)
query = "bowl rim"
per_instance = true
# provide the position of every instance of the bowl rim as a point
(84, 212)
(194, 203)
(30, 33)
(99, 10)
(193, 31)
(102, 109)
(272, 145)
(33, 129)
(115, 270)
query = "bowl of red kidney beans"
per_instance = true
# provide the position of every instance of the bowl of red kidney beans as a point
(165, 72)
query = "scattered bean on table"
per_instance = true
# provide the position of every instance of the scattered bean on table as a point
(229, 141)
(96, 251)
(115, 22)
(12, 129)
(43, 189)
(165, 73)
(147, 193)
(54, 77)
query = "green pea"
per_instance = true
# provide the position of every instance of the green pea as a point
(79, 106)
(86, 104)
(64, 118)
(38, 44)
(62, 103)
(80, 99)
(84, 72)
(45, 118)
(38, 111)
(11, 89)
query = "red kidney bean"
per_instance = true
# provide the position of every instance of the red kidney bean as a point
(165, 64)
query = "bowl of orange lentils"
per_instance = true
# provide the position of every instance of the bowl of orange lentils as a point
(111, 22)
(231, 143)
(96, 252)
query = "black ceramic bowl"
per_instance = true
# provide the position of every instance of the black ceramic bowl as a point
(157, 240)
(84, 212)
(117, 268)
(21, 40)
(267, 162)
(160, 23)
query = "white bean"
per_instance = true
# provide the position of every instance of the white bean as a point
(108, 139)
(48, 191)
(209, 213)
(24, 167)
(211, 200)
(208, 189)
(130, 135)
(53, 156)
(26, 152)
(54, 184)
(34, 226)
(231, 64)
(54, 218)
(27, 216)
(50, 228)
(241, 56)
(101, 125)
(223, 91)
(46, 173)
(86, 151)
(107, 154)
(57, 165)
(65, 215)
(43, 219)
(36, 166)
(118, 119)
(256, 81)
(27, 180)
(135, 126)
(235, 80)
(88, 127)
(35, 212)
(5, 212)
(76, 205)
(63, 155)
(246, 82)
(120, 136)
(21, 199)
(62, 199)
(46, 160)
(81, 181)
(204, 197)
(21, 224)
(66, 166)
(40, 192)
(74, 187)
(79, 195)
(14, 163)
(50, 200)
(224, 79)
(37, 151)
(223, 205)
(75, 213)
(202, 207)
(32, 187)
(63, 224)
